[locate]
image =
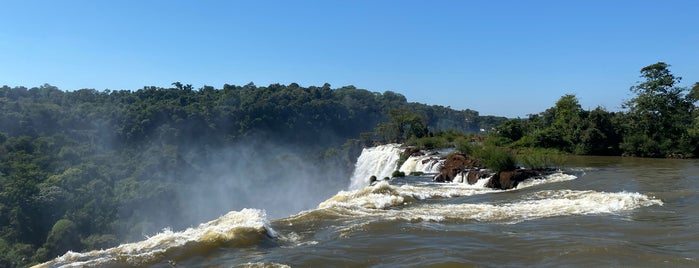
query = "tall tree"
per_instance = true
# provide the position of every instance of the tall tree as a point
(659, 115)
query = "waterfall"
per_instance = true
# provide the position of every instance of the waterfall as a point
(427, 164)
(379, 161)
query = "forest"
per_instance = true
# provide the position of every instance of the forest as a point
(661, 120)
(88, 169)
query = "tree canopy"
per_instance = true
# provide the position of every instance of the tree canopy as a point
(661, 120)
(89, 169)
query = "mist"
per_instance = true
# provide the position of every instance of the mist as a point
(281, 179)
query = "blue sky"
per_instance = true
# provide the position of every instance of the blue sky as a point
(508, 58)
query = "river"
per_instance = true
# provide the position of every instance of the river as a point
(599, 211)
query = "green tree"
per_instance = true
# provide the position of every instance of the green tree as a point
(600, 134)
(402, 125)
(512, 130)
(659, 116)
(560, 126)
(62, 237)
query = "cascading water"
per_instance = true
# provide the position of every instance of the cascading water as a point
(426, 164)
(379, 161)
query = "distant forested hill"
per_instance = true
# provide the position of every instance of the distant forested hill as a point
(89, 169)
(182, 114)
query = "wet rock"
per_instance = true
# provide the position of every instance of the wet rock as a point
(510, 179)
(411, 151)
(476, 174)
(453, 165)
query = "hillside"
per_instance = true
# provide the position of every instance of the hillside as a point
(89, 169)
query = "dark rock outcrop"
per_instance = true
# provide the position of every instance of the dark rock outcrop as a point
(510, 179)
(476, 174)
(454, 164)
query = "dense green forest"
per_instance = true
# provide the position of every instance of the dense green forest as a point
(661, 120)
(89, 169)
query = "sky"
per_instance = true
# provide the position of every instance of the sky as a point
(504, 58)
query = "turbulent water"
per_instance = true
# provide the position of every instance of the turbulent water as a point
(599, 211)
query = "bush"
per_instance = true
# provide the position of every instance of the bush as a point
(542, 158)
(398, 174)
(433, 142)
(525, 142)
(416, 173)
(14, 255)
(62, 237)
(496, 158)
(497, 141)
(103, 241)
(464, 146)
(640, 145)
(403, 157)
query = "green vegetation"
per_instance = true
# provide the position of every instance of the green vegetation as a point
(541, 158)
(496, 158)
(445, 139)
(662, 120)
(89, 169)
(398, 174)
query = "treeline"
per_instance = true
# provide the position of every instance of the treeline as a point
(661, 120)
(88, 169)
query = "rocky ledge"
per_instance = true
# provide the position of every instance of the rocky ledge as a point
(462, 168)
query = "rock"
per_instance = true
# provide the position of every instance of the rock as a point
(476, 174)
(510, 179)
(454, 164)
(411, 151)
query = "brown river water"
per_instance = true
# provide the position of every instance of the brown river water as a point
(598, 212)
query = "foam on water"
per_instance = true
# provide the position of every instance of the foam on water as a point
(378, 196)
(262, 265)
(541, 204)
(237, 228)
(555, 177)
(375, 200)
(382, 195)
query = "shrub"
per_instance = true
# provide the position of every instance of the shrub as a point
(497, 141)
(496, 158)
(433, 142)
(542, 158)
(640, 145)
(100, 241)
(398, 174)
(465, 146)
(403, 157)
